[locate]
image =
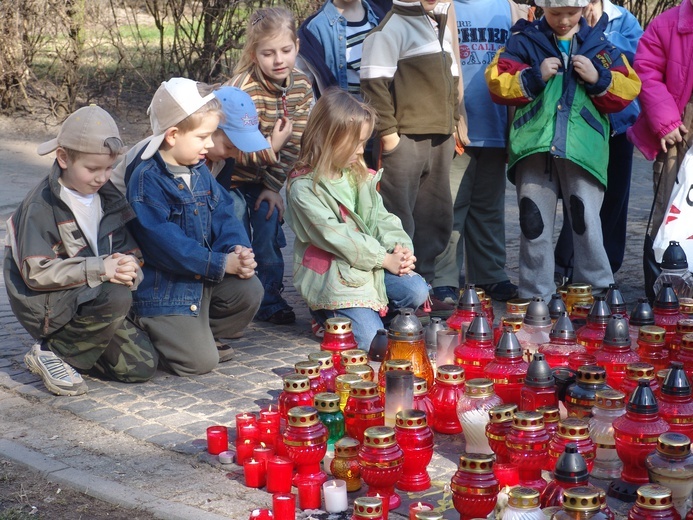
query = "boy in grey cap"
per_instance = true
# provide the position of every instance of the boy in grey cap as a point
(71, 264)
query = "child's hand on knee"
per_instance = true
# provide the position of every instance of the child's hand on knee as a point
(585, 69)
(241, 262)
(549, 68)
(408, 260)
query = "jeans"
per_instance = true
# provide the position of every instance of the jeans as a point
(267, 239)
(402, 291)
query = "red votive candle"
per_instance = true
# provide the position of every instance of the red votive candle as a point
(386, 505)
(284, 506)
(308, 494)
(244, 418)
(271, 414)
(217, 439)
(279, 473)
(254, 471)
(261, 514)
(263, 453)
(247, 431)
(244, 451)
(280, 447)
(267, 435)
(418, 507)
(507, 474)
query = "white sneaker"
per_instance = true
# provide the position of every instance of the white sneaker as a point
(58, 376)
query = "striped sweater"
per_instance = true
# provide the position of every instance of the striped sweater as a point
(269, 103)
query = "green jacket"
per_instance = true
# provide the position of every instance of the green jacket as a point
(338, 253)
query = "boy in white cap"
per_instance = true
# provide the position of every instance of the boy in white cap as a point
(71, 264)
(200, 284)
(564, 76)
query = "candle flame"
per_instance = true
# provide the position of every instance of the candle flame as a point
(269, 408)
(263, 445)
(269, 430)
(247, 441)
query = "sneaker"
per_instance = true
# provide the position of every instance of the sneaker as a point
(446, 294)
(440, 308)
(225, 351)
(282, 317)
(58, 376)
(318, 330)
(501, 291)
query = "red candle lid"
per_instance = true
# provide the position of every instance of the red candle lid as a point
(347, 447)
(303, 416)
(420, 386)
(551, 413)
(398, 364)
(476, 462)
(368, 507)
(411, 419)
(310, 369)
(529, 421)
(502, 413)
(379, 437)
(573, 428)
(323, 357)
(451, 374)
(296, 383)
(365, 372)
(364, 390)
(354, 356)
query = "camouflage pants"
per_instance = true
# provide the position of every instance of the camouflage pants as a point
(101, 336)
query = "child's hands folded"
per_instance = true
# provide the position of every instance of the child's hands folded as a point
(400, 262)
(241, 262)
(121, 268)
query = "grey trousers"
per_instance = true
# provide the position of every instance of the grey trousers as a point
(414, 186)
(186, 343)
(477, 242)
(539, 179)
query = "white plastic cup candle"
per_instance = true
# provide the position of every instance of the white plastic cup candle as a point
(335, 493)
(399, 394)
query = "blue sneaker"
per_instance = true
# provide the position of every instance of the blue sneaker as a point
(446, 294)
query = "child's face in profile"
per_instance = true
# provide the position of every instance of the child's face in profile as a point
(223, 147)
(564, 21)
(276, 56)
(87, 173)
(189, 148)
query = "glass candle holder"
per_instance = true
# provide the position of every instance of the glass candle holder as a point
(353, 357)
(591, 335)
(539, 388)
(368, 508)
(331, 416)
(311, 369)
(640, 316)
(572, 430)
(305, 439)
(615, 353)
(472, 412)
(244, 419)
(415, 438)
(651, 343)
(666, 311)
(685, 355)
(389, 365)
(523, 504)
(284, 506)
(468, 306)
(345, 465)
(343, 384)
(271, 414)
(446, 391)
(527, 443)
(580, 396)
(579, 314)
(338, 337)
(244, 451)
(399, 394)
(609, 405)
(580, 360)
(279, 474)
(476, 351)
(447, 340)
(552, 415)
(328, 372)
(653, 503)
(255, 473)
(683, 326)
(405, 340)
(423, 511)
(508, 368)
(500, 423)
(217, 439)
(536, 326)
(382, 461)
(364, 409)
(634, 373)
(296, 392)
(474, 486)
(365, 372)
(570, 471)
(513, 323)
(671, 465)
(422, 400)
(308, 494)
(578, 293)
(581, 503)
(675, 401)
(636, 435)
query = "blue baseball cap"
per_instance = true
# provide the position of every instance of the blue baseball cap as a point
(240, 120)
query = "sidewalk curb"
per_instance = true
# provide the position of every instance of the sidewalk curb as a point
(103, 489)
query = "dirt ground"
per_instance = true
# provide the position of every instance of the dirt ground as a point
(26, 495)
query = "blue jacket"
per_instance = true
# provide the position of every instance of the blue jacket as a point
(185, 236)
(624, 32)
(323, 45)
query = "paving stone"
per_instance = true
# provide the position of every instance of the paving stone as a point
(170, 440)
(100, 415)
(156, 413)
(123, 423)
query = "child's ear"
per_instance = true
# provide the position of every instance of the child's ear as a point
(61, 156)
(298, 43)
(171, 135)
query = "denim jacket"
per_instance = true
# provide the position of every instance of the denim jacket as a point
(323, 45)
(185, 236)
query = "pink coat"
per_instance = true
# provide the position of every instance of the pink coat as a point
(664, 63)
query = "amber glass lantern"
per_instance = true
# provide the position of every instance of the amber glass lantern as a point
(311, 369)
(671, 465)
(472, 411)
(523, 504)
(609, 404)
(615, 353)
(591, 335)
(475, 352)
(570, 471)
(527, 443)
(562, 343)
(368, 508)
(422, 401)
(675, 401)
(364, 409)
(392, 364)
(328, 372)
(581, 503)
(296, 392)
(331, 416)
(500, 423)
(343, 384)
(446, 391)
(508, 368)
(415, 438)
(405, 340)
(572, 430)
(345, 465)
(636, 435)
(338, 337)
(580, 396)
(305, 439)
(653, 503)
(468, 306)
(634, 373)
(382, 461)
(474, 486)
(651, 342)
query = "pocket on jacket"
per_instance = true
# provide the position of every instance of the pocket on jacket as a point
(527, 116)
(352, 277)
(592, 121)
(317, 259)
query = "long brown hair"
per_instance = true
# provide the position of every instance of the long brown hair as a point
(332, 134)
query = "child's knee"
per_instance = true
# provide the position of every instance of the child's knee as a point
(419, 289)
(118, 298)
(531, 221)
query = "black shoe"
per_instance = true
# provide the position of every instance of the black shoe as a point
(282, 317)
(501, 291)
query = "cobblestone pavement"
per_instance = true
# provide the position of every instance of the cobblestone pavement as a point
(171, 413)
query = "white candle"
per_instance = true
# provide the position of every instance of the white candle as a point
(335, 496)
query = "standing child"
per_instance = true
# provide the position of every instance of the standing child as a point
(71, 264)
(564, 76)
(410, 76)
(282, 94)
(199, 271)
(351, 257)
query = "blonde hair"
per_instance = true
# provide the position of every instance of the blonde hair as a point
(263, 24)
(333, 133)
(194, 120)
